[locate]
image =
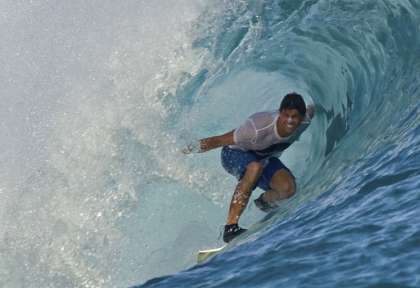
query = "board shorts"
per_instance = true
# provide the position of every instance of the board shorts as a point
(235, 161)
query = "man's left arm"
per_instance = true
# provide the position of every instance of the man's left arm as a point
(310, 111)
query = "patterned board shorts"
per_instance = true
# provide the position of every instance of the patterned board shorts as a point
(235, 161)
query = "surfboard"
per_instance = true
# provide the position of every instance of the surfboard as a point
(203, 255)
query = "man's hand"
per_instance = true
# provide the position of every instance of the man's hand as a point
(210, 143)
(310, 111)
(193, 147)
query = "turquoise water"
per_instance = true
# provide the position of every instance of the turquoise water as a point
(99, 98)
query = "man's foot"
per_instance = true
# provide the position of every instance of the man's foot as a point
(231, 231)
(264, 205)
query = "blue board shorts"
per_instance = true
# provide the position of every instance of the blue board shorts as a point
(235, 161)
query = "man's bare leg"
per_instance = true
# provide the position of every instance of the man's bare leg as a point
(243, 191)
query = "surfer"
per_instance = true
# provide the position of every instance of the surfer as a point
(249, 153)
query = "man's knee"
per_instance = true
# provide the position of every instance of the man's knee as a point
(290, 189)
(285, 185)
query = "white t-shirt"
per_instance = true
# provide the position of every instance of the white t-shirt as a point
(259, 134)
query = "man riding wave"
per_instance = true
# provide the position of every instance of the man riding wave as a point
(250, 153)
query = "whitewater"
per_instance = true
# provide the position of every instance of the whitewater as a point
(99, 97)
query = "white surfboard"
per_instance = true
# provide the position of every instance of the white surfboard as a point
(203, 255)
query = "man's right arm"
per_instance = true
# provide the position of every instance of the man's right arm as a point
(210, 143)
(242, 136)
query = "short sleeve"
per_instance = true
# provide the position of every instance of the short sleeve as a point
(245, 134)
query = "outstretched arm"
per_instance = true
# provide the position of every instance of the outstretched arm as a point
(210, 143)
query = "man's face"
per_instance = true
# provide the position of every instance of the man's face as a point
(290, 119)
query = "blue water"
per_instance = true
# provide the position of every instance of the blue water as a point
(99, 98)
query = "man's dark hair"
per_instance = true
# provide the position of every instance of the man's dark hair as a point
(293, 101)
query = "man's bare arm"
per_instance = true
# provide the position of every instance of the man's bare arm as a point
(210, 143)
